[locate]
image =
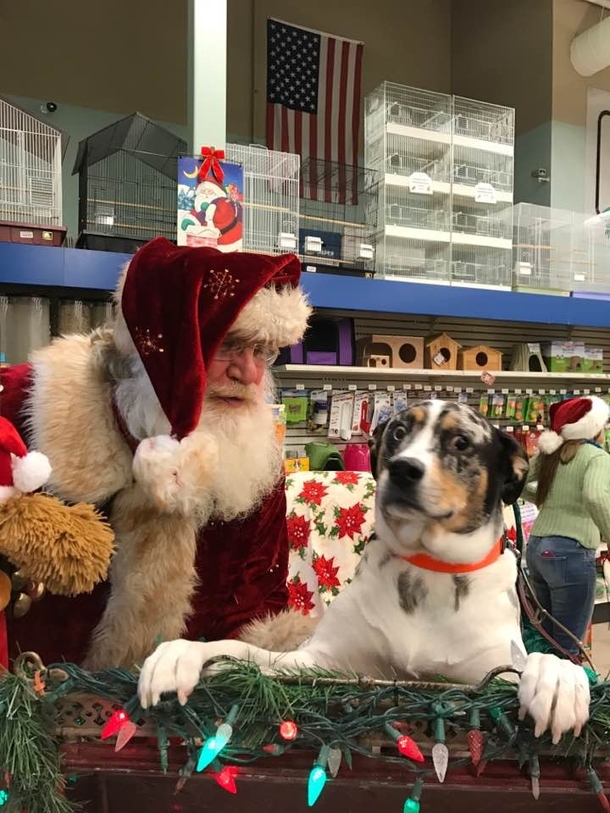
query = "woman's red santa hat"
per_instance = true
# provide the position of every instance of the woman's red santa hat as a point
(21, 472)
(175, 307)
(574, 419)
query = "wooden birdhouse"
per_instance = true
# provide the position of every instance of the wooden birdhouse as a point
(397, 352)
(481, 358)
(442, 352)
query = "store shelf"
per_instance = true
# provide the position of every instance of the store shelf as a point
(465, 239)
(527, 380)
(32, 267)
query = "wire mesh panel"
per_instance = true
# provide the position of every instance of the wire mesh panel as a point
(30, 168)
(128, 181)
(408, 142)
(271, 197)
(338, 204)
(482, 193)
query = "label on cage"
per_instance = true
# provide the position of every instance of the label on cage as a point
(26, 235)
(420, 183)
(311, 268)
(485, 193)
(579, 277)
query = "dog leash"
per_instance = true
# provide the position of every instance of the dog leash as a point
(537, 616)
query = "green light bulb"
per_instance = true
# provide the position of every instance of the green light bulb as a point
(411, 806)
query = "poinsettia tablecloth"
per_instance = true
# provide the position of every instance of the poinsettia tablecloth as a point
(330, 518)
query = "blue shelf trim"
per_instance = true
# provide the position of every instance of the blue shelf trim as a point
(98, 270)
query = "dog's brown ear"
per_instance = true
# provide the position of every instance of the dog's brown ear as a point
(513, 467)
(375, 446)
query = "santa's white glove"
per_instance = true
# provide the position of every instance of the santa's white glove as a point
(555, 693)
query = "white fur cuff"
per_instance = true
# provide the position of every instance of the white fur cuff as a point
(549, 442)
(30, 472)
(176, 474)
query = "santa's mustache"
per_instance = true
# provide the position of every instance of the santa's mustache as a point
(246, 392)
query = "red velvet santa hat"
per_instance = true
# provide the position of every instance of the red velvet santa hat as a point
(20, 470)
(178, 304)
(175, 306)
(574, 419)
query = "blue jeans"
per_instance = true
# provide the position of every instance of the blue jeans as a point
(562, 573)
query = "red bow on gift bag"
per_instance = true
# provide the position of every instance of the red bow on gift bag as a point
(211, 164)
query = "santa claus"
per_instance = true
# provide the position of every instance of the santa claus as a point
(163, 420)
(215, 219)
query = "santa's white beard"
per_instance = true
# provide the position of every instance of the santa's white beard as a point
(249, 459)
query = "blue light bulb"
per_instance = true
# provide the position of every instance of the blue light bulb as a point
(317, 780)
(214, 745)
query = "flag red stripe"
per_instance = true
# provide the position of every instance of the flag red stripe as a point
(356, 116)
(285, 146)
(343, 131)
(328, 113)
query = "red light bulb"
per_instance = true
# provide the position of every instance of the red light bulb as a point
(408, 748)
(114, 724)
(289, 730)
(475, 744)
(226, 779)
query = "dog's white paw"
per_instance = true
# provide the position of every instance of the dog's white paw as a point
(175, 666)
(555, 693)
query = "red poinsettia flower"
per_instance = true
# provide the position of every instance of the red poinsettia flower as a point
(298, 531)
(349, 521)
(313, 492)
(326, 572)
(347, 478)
(299, 597)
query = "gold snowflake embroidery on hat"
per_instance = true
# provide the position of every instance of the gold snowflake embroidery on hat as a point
(221, 283)
(146, 343)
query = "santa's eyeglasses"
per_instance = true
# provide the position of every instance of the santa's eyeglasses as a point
(264, 354)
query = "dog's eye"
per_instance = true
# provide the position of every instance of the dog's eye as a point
(460, 443)
(399, 432)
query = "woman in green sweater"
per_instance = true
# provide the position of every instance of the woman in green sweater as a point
(569, 481)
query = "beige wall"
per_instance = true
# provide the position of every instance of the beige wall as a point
(126, 55)
(501, 52)
(571, 17)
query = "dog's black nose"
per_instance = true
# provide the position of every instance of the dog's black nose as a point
(406, 471)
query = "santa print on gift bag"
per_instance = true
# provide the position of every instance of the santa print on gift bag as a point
(210, 201)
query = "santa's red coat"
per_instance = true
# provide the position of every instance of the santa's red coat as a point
(242, 568)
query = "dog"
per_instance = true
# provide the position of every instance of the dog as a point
(435, 590)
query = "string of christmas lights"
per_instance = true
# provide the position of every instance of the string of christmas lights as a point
(239, 715)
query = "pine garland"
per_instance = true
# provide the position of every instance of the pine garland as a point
(329, 709)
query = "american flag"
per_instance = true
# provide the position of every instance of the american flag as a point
(313, 103)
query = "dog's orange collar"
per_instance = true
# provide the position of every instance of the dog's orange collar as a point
(438, 566)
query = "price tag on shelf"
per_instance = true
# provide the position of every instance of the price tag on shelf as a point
(352, 387)
(419, 386)
(529, 392)
(586, 392)
(449, 388)
(563, 392)
(576, 392)
(491, 392)
(552, 392)
(505, 391)
(541, 392)
(517, 392)
(598, 389)
(438, 387)
(391, 388)
(372, 386)
(469, 390)
(300, 387)
(327, 387)
(407, 387)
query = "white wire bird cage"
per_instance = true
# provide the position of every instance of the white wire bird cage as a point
(271, 197)
(560, 252)
(30, 178)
